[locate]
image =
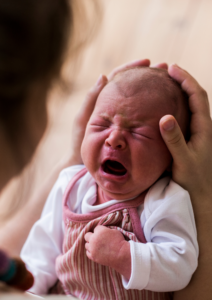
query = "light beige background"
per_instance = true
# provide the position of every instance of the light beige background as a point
(163, 30)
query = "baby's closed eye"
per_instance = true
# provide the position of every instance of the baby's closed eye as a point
(100, 123)
(142, 133)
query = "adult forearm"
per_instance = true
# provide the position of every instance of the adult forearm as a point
(200, 286)
(15, 231)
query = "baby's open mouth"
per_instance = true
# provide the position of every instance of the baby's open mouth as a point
(114, 167)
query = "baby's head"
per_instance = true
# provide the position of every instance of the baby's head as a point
(123, 148)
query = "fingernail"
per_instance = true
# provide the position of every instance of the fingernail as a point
(168, 125)
(99, 81)
(137, 61)
(175, 65)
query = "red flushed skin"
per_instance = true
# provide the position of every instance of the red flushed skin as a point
(125, 128)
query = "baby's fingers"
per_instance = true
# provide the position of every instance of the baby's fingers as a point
(88, 236)
(88, 253)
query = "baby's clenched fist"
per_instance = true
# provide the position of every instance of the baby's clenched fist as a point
(109, 248)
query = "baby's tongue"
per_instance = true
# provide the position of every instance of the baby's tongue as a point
(115, 167)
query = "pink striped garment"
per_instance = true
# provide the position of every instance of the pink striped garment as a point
(84, 278)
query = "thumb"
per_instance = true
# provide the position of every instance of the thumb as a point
(173, 138)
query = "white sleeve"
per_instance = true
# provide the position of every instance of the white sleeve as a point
(45, 240)
(169, 258)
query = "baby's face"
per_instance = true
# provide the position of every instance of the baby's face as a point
(123, 149)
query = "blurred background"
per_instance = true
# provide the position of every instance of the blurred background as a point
(161, 30)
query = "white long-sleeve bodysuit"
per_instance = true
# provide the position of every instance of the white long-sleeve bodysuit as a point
(165, 263)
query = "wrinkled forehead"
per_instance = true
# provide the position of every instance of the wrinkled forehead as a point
(131, 108)
(145, 91)
(138, 91)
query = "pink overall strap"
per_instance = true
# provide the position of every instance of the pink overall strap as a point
(72, 182)
(132, 208)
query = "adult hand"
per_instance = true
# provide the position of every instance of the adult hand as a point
(192, 169)
(82, 118)
(136, 63)
(192, 161)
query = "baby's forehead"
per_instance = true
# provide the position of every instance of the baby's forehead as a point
(139, 84)
(132, 99)
(145, 81)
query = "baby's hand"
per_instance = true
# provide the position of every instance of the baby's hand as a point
(109, 248)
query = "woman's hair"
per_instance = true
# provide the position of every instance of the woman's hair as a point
(33, 36)
(36, 37)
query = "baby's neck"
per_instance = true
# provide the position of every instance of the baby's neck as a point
(102, 197)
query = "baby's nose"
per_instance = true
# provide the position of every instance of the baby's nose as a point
(116, 140)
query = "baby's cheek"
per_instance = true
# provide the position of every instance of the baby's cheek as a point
(151, 158)
(87, 151)
(90, 151)
(162, 159)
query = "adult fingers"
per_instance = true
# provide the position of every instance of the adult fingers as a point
(198, 99)
(160, 66)
(90, 101)
(136, 63)
(83, 116)
(173, 138)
